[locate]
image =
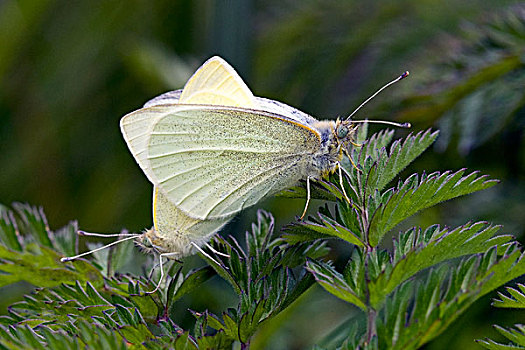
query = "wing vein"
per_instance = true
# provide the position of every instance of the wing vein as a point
(219, 150)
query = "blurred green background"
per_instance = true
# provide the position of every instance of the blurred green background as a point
(69, 70)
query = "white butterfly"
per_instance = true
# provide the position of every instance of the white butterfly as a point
(214, 149)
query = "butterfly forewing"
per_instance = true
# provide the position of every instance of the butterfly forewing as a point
(136, 128)
(212, 162)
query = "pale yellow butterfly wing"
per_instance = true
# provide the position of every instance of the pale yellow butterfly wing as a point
(212, 162)
(175, 230)
(217, 83)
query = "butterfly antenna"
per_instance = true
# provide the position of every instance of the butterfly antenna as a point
(399, 125)
(92, 234)
(132, 236)
(402, 76)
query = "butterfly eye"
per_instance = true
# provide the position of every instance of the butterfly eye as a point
(341, 131)
(147, 242)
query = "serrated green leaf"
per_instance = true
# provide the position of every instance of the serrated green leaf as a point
(97, 337)
(337, 230)
(193, 280)
(222, 270)
(214, 322)
(516, 335)
(57, 340)
(458, 289)
(372, 147)
(300, 287)
(413, 196)
(492, 345)
(259, 237)
(334, 283)
(511, 265)
(230, 326)
(401, 154)
(125, 316)
(184, 342)
(34, 222)
(246, 328)
(43, 269)
(301, 232)
(430, 248)
(319, 189)
(324, 227)
(136, 334)
(9, 233)
(515, 300)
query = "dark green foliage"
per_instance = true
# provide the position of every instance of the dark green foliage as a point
(443, 296)
(476, 90)
(515, 299)
(263, 277)
(516, 335)
(81, 304)
(404, 309)
(86, 335)
(407, 295)
(32, 252)
(59, 121)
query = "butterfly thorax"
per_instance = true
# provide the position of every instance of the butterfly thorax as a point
(336, 137)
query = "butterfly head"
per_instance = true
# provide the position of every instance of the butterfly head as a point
(344, 132)
(147, 241)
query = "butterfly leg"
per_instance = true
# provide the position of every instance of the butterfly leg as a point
(150, 275)
(215, 251)
(161, 270)
(341, 182)
(307, 196)
(349, 176)
(204, 253)
(352, 161)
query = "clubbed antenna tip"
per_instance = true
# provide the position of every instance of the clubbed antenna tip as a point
(402, 76)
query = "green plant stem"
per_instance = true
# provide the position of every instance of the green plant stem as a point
(371, 330)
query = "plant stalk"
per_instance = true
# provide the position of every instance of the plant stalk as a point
(371, 330)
